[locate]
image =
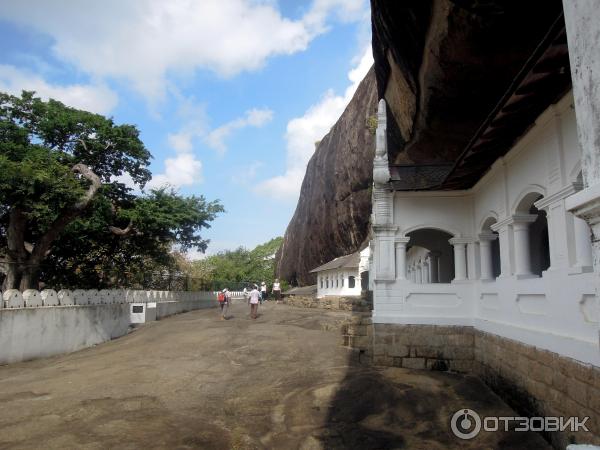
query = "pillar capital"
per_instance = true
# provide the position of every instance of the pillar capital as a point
(487, 237)
(401, 241)
(460, 241)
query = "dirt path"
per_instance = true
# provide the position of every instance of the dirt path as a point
(192, 381)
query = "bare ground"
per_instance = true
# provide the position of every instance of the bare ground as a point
(282, 381)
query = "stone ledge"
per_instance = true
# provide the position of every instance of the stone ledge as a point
(535, 382)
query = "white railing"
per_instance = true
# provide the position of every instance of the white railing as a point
(32, 298)
(558, 311)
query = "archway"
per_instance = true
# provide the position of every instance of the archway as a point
(440, 253)
(489, 238)
(532, 246)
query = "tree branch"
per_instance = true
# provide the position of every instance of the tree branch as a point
(42, 248)
(95, 184)
(122, 231)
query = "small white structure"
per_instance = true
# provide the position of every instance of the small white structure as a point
(142, 312)
(342, 276)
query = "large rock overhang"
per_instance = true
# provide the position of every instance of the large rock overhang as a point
(463, 80)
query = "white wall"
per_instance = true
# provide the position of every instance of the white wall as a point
(40, 324)
(338, 282)
(557, 311)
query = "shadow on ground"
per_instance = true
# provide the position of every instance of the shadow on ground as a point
(393, 408)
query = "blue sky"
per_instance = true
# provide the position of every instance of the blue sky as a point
(229, 95)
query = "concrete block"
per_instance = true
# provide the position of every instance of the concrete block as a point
(49, 297)
(32, 298)
(12, 298)
(66, 297)
(94, 297)
(81, 297)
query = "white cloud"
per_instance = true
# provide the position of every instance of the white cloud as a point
(143, 41)
(252, 118)
(97, 98)
(303, 132)
(182, 170)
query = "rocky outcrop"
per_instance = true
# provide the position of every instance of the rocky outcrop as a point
(333, 211)
(443, 65)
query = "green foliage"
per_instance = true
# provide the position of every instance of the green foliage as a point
(52, 220)
(89, 255)
(239, 265)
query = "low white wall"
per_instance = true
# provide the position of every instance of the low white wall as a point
(29, 333)
(40, 324)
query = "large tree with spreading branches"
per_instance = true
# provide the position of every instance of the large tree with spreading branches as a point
(61, 199)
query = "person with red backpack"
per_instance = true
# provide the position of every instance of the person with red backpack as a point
(223, 297)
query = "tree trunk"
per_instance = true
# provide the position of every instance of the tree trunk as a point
(30, 276)
(16, 253)
(12, 278)
(24, 263)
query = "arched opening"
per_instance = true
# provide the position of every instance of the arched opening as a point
(537, 253)
(494, 249)
(351, 282)
(440, 254)
(539, 243)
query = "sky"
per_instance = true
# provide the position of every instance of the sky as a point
(229, 96)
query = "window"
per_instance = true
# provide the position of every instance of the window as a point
(321, 282)
(351, 282)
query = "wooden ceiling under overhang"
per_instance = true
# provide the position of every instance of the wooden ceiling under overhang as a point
(489, 68)
(544, 79)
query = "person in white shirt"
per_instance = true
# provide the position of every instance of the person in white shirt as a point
(277, 290)
(263, 291)
(254, 299)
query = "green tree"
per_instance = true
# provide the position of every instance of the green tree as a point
(61, 198)
(92, 253)
(241, 265)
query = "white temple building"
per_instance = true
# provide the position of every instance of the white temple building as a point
(342, 276)
(504, 255)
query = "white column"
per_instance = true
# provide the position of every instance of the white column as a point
(401, 257)
(520, 227)
(460, 259)
(505, 248)
(583, 243)
(426, 278)
(434, 266)
(485, 249)
(419, 272)
(471, 261)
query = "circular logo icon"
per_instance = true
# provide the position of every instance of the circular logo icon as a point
(465, 424)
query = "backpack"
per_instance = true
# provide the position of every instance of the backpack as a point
(221, 296)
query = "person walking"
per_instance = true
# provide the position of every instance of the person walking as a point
(254, 299)
(263, 291)
(224, 298)
(277, 290)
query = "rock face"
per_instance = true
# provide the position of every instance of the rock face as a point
(333, 211)
(442, 66)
